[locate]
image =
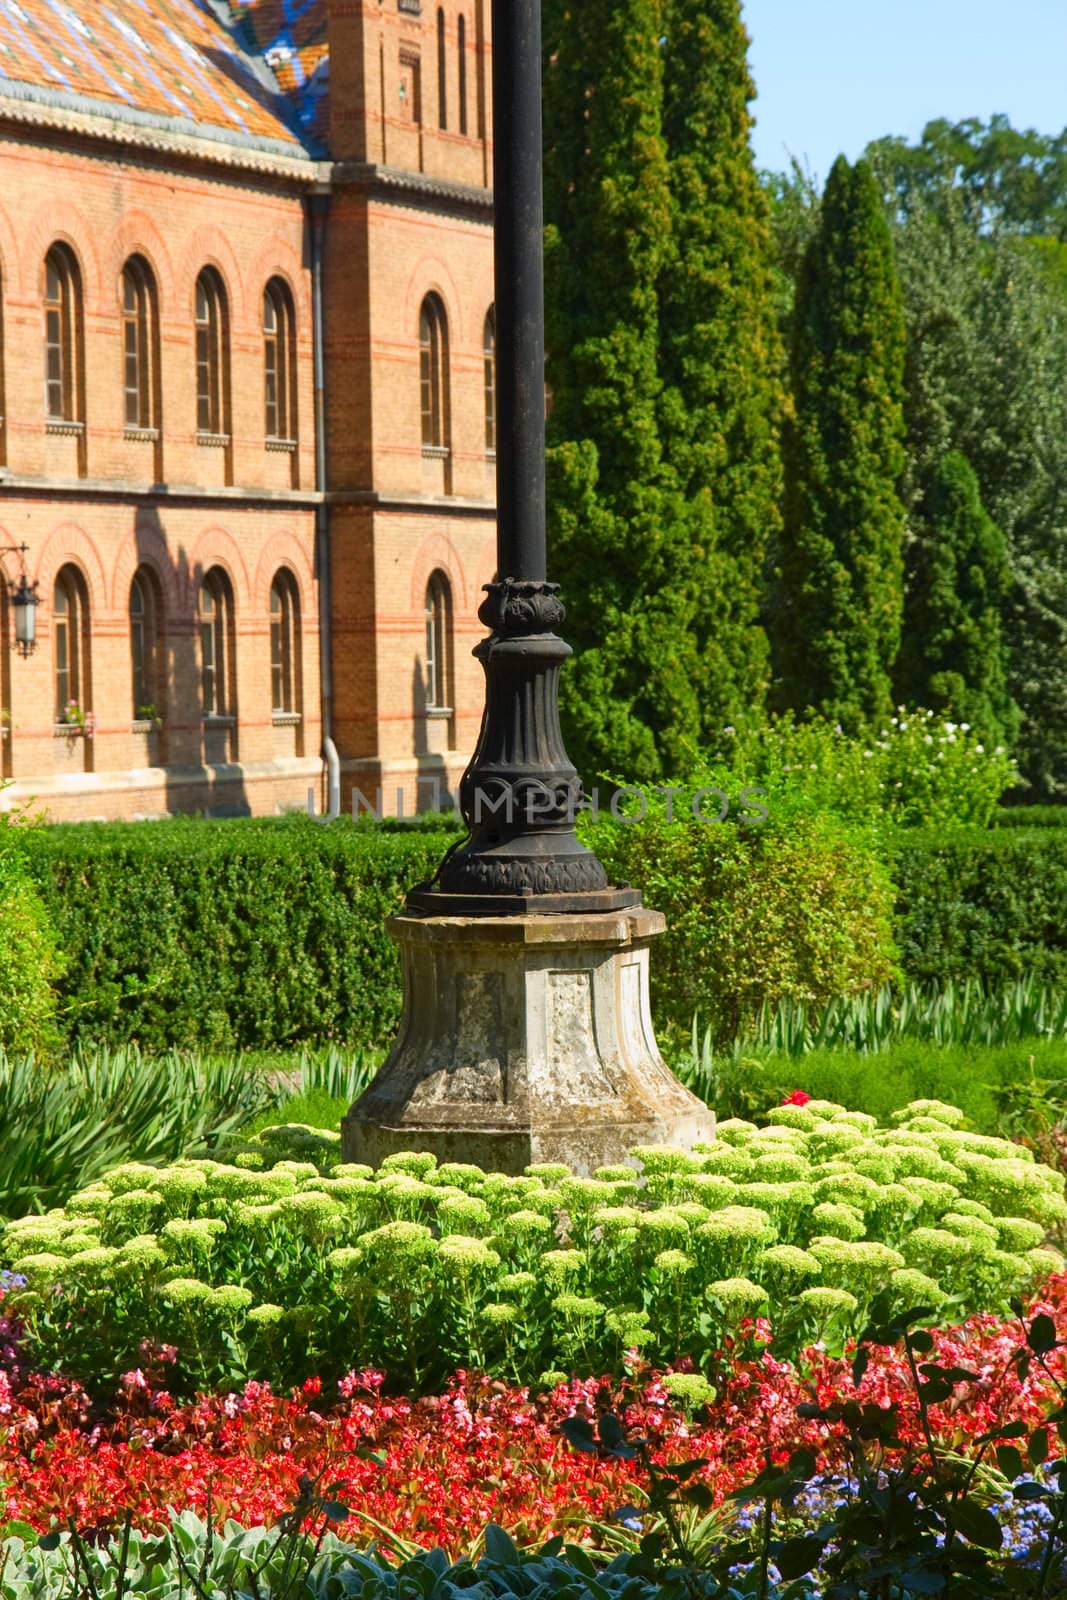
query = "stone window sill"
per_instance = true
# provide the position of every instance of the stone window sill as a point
(436, 452)
(286, 719)
(437, 712)
(214, 441)
(64, 425)
(220, 720)
(143, 435)
(490, 455)
(144, 725)
(283, 446)
(68, 730)
(412, 7)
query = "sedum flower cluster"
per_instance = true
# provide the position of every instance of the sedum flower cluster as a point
(285, 1261)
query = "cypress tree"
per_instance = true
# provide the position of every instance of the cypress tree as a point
(952, 656)
(721, 355)
(837, 597)
(615, 528)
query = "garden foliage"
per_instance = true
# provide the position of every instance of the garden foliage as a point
(798, 910)
(834, 612)
(30, 962)
(269, 1268)
(953, 655)
(223, 936)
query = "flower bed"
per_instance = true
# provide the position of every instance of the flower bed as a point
(438, 1469)
(269, 1269)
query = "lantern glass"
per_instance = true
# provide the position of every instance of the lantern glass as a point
(24, 604)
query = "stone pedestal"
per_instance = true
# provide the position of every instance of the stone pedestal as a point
(525, 1038)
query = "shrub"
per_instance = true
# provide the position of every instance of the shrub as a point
(989, 905)
(228, 935)
(29, 964)
(918, 770)
(796, 910)
(285, 1264)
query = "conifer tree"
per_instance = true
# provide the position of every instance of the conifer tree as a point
(952, 655)
(615, 527)
(721, 356)
(837, 597)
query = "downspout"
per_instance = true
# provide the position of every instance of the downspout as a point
(318, 206)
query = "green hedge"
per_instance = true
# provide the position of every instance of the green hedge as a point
(264, 932)
(227, 935)
(986, 905)
(1030, 817)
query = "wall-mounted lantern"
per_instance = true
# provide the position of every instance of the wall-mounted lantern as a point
(24, 603)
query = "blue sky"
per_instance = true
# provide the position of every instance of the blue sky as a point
(833, 74)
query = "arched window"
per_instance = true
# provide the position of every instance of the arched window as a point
(212, 377)
(62, 336)
(139, 343)
(433, 357)
(279, 366)
(442, 69)
(146, 666)
(462, 53)
(216, 635)
(3, 409)
(438, 643)
(70, 633)
(489, 367)
(284, 633)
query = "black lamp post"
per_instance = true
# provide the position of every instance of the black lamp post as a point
(24, 603)
(521, 793)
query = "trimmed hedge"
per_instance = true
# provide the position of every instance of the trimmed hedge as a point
(263, 932)
(227, 935)
(985, 905)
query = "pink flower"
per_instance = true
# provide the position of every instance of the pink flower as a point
(796, 1097)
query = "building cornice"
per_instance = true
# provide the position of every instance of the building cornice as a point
(128, 489)
(142, 132)
(400, 187)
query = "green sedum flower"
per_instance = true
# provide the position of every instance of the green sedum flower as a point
(417, 1163)
(266, 1316)
(561, 1267)
(738, 1297)
(186, 1293)
(674, 1263)
(840, 1220)
(822, 1302)
(689, 1390)
(786, 1265)
(520, 1284)
(912, 1289)
(578, 1307)
(500, 1314)
(463, 1256)
(465, 1214)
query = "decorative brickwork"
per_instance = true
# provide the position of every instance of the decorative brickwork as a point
(191, 147)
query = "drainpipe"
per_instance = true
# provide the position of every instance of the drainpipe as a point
(318, 206)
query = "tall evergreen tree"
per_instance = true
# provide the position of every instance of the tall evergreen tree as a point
(615, 527)
(837, 595)
(952, 655)
(721, 357)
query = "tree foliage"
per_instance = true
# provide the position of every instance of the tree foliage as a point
(663, 369)
(721, 355)
(837, 593)
(952, 654)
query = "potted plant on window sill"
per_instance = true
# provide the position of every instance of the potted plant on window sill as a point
(75, 722)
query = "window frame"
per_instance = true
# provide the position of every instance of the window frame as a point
(62, 336)
(279, 364)
(211, 326)
(438, 642)
(215, 628)
(284, 637)
(461, 56)
(442, 72)
(70, 641)
(146, 637)
(138, 345)
(433, 380)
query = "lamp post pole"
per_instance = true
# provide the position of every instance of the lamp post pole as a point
(520, 794)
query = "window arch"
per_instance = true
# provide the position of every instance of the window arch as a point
(438, 643)
(279, 365)
(442, 71)
(216, 645)
(284, 646)
(461, 52)
(146, 645)
(62, 336)
(212, 355)
(489, 381)
(433, 373)
(139, 343)
(70, 634)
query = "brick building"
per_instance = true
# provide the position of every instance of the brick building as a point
(246, 398)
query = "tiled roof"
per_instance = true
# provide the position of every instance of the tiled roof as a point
(247, 70)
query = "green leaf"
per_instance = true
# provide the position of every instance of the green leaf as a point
(798, 1556)
(978, 1525)
(1041, 1335)
(1037, 1449)
(500, 1547)
(1010, 1461)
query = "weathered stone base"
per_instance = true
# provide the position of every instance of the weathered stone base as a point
(525, 1039)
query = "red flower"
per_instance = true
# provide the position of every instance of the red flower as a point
(796, 1097)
